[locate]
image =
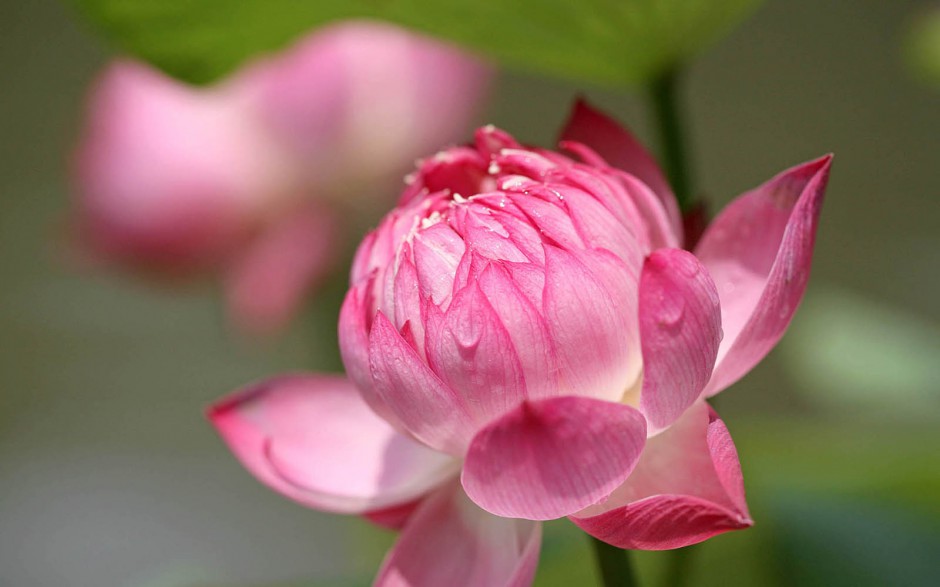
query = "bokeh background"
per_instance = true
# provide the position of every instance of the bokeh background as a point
(109, 475)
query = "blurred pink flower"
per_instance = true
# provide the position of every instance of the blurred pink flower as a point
(526, 340)
(244, 178)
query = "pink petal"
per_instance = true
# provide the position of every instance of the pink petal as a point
(488, 235)
(550, 458)
(313, 439)
(620, 149)
(355, 321)
(271, 279)
(364, 262)
(600, 229)
(407, 300)
(354, 324)
(456, 170)
(590, 308)
(661, 227)
(549, 217)
(424, 404)
(514, 223)
(527, 330)
(525, 162)
(530, 279)
(437, 252)
(631, 200)
(395, 517)
(686, 488)
(759, 252)
(680, 328)
(450, 541)
(472, 352)
(490, 140)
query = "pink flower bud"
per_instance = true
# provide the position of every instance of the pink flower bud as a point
(508, 274)
(527, 317)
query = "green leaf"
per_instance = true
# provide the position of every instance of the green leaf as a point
(848, 352)
(610, 42)
(922, 47)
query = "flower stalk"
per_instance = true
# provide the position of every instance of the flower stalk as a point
(614, 565)
(678, 569)
(667, 113)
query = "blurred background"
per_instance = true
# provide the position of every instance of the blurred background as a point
(110, 476)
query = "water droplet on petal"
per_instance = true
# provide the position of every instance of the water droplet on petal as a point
(671, 312)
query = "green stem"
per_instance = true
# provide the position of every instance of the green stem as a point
(680, 563)
(614, 565)
(664, 100)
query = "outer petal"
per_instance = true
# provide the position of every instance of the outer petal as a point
(550, 458)
(759, 252)
(355, 320)
(686, 488)
(680, 328)
(313, 439)
(620, 149)
(424, 404)
(450, 541)
(271, 278)
(395, 517)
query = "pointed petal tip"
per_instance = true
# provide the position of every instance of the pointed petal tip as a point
(225, 406)
(803, 174)
(314, 440)
(826, 159)
(581, 106)
(820, 164)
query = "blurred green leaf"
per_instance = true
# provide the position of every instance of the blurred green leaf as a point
(610, 42)
(922, 47)
(850, 353)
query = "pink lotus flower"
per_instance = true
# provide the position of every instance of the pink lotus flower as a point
(526, 340)
(243, 178)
